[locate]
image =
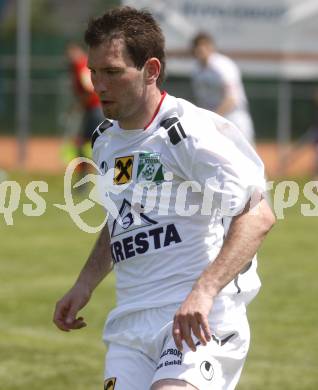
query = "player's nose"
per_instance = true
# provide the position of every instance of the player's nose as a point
(100, 85)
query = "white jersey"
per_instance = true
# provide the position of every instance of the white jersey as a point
(158, 258)
(210, 84)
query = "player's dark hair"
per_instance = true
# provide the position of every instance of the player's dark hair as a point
(138, 29)
(202, 37)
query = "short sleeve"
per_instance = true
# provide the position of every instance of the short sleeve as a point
(224, 164)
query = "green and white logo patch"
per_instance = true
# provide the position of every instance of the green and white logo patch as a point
(150, 168)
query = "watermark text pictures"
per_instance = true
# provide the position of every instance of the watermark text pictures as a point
(148, 197)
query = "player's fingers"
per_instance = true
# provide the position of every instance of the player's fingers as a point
(197, 331)
(79, 323)
(204, 323)
(186, 334)
(61, 325)
(177, 336)
(71, 315)
(59, 316)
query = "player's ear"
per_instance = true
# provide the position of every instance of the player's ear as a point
(152, 70)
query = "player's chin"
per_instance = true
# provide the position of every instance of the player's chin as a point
(109, 111)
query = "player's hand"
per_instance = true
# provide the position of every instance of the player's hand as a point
(65, 315)
(192, 319)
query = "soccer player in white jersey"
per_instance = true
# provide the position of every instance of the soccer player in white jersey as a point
(217, 85)
(185, 266)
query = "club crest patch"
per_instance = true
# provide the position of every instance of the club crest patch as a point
(123, 169)
(150, 168)
(109, 384)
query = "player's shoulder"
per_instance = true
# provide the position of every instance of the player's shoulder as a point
(101, 129)
(224, 62)
(222, 58)
(188, 122)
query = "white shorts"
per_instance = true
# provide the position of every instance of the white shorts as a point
(142, 350)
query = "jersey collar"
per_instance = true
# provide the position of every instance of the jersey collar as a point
(163, 95)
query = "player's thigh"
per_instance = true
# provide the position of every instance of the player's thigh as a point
(172, 384)
(127, 368)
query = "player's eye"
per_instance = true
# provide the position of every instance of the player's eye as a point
(113, 71)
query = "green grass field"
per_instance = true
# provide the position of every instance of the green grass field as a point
(41, 256)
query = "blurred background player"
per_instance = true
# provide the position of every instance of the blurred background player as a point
(89, 104)
(217, 85)
(310, 137)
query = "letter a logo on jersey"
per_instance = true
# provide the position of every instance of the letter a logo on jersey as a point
(128, 221)
(123, 169)
(109, 384)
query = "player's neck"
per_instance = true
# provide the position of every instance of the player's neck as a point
(144, 116)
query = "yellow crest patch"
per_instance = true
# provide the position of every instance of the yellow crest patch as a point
(123, 169)
(109, 384)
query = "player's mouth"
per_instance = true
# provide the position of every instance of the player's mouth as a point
(106, 102)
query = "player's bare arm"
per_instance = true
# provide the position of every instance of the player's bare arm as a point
(245, 235)
(98, 265)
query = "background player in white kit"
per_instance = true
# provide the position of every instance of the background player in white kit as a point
(182, 288)
(217, 85)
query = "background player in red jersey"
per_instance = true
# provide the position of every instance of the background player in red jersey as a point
(84, 92)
